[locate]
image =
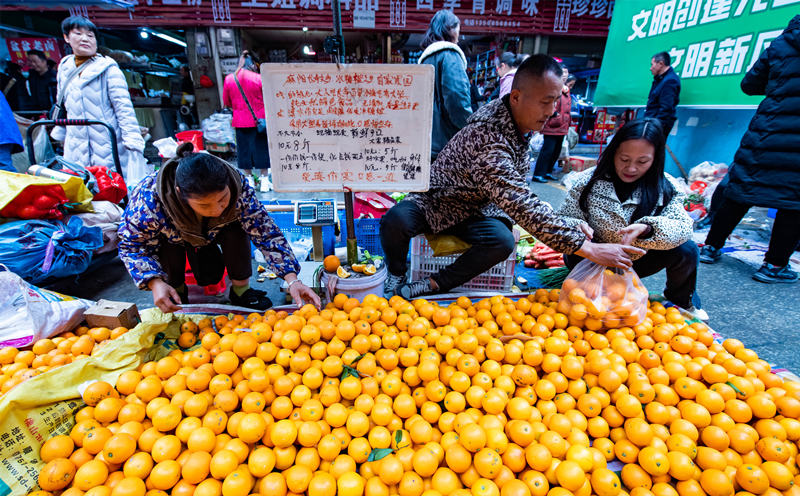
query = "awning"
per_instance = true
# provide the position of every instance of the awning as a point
(66, 4)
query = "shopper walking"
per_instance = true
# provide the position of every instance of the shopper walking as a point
(92, 86)
(506, 66)
(241, 92)
(554, 131)
(452, 104)
(766, 167)
(42, 82)
(662, 103)
(629, 199)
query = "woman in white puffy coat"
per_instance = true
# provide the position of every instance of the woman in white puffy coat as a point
(93, 87)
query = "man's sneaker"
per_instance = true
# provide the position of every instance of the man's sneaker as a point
(391, 283)
(252, 298)
(772, 273)
(710, 255)
(697, 313)
(414, 289)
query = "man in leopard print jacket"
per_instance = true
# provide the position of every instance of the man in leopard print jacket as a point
(478, 190)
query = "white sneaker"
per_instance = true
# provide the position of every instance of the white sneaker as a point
(266, 184)
(697, 313)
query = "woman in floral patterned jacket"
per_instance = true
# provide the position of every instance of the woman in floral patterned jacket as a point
(199, 207)
(629, 199)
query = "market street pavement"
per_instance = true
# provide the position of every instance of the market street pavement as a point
(765, 317)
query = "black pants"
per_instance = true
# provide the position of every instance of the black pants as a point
(230, 250)
(252, 148)
(717, 198)
(681, 264)
(785, 230)
(548, 156)
(491, 238)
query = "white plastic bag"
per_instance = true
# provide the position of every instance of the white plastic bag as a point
(29, 313)
(138, 168)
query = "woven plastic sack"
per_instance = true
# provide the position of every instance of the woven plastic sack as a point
(45, 405)
(29, 313)
(598, 298)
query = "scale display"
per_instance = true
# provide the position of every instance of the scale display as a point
(315, 212)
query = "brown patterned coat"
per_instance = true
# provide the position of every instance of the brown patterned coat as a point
(481, 172)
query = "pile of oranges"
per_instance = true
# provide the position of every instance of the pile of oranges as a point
(385, 397)
(17, 366)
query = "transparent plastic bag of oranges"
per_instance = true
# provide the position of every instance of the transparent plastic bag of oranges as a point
(596, 298)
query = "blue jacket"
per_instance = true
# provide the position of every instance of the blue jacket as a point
(9, 131)
(452, 104)
(766, 167)
(663, 100)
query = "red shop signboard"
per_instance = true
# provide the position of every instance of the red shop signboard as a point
(561, 17)
(18, 48)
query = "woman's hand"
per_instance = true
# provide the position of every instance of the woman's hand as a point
(632, 232)
(164, 296)
(300, 292)
(609, 255)
(586, 230)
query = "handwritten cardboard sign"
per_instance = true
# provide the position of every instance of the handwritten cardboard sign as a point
(363, 127)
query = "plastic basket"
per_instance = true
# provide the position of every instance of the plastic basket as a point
(367, 235)
(423, 264)
(285, 221)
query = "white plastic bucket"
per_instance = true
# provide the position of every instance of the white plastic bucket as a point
(358, 287)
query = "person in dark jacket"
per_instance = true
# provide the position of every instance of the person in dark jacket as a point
(554, 131)
(664, 93)
(478, 191)
(42, 81)
(766, 167)
(452, 104)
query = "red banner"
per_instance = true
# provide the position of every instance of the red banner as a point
(560, 17)
(18, 48)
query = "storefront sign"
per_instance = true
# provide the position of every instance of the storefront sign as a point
(713, 43)
(567, 17)
(364, 19)
(363, 127)
(18, 48)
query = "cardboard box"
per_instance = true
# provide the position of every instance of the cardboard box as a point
(111, 314)
(578, 163)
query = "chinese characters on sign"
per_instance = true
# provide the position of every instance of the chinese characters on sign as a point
(712, 56)
(18, 48)
(363, 127)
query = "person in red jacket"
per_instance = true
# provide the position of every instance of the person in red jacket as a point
(554, 131)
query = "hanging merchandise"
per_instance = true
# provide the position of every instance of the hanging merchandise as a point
(38, 250)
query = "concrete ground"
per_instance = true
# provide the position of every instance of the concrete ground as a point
(765, 317)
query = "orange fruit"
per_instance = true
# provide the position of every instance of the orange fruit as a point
(56, 474)
(56, 447)
(331, 263)
(716, 483)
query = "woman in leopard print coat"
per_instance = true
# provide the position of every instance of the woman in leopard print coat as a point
(629, 199)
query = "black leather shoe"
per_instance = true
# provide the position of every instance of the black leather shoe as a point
(538, 179)
(252, 298)
(550, 177)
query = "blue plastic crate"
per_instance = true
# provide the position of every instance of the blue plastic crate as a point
(367, 235)
(285, 221)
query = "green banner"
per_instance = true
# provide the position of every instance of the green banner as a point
(712, 44)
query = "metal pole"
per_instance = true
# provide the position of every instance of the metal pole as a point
(352, 246)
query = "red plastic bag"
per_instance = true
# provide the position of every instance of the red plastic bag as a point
(37, 201)
(598, 298)
(111, 185)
